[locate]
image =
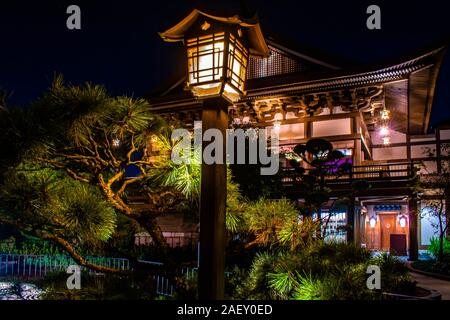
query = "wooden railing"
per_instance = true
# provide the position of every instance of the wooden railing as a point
(381, 172)
(173, 239)
(30, 265)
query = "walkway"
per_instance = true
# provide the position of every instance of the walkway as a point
(431, 283)
(19, 291)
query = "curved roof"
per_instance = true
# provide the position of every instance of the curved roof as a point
(258, 46)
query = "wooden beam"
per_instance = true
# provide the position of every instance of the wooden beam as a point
(413, 228)
(212, 208)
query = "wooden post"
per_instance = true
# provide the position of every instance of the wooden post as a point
(212, 208)
(413, 237)
(357, 233)
(351, 221)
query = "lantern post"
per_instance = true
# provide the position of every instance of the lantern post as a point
(217, 52)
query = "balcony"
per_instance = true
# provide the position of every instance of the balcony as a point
(382, 176)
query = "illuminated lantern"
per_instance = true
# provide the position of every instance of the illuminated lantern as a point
(218, 50)
(217, 54)
(276, 125)
(373, 221)
(402, 221)
(385, 114)
(115, 143)
(384, 131)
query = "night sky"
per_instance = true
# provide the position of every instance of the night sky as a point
(118, 45)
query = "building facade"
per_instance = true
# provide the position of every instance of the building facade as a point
(378, 117)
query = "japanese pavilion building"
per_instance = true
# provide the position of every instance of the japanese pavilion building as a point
(377, 116)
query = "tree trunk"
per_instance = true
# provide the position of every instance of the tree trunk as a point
(147, 221)
(441, 235)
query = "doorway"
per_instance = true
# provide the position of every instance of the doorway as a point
(387, 227)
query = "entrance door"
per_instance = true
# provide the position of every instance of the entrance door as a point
(388, 226)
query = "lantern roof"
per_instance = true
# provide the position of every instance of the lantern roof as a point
(256, 41)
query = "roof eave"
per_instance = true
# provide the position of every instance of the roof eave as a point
(258, 46)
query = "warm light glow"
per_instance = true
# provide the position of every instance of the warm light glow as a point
(276, 125)
(402, 221)
(385, 114)
(208, 73)
(384, 131)
(373, 222)
(237, 63)
(116, 143)
(230, 93)
(245, 120)
(386, 140)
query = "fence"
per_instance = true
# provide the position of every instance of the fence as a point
(372, 172)
(174, 239)
(23, 265)
(35, 266)
(165, 288)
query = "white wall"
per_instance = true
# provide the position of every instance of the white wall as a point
(389, 153)
(428, 167)
(396, 137)
(292, 131)
(329, 128)
(444, 134)
(423, 151)
(427, 231)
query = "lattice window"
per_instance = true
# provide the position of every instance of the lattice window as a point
(277, 63)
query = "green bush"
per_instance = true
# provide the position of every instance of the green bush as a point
(98, 287)
(434, 247)
(433, 266)
(29, 246)
(324, 271)
(395, 276)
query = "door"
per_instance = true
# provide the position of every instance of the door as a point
(388, 226)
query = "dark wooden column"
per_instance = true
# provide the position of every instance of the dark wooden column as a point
(351, 221)
(357, 233)
(212, 208)
(413, 237)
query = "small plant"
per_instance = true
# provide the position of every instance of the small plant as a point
(320, 271)
(434, 247)
(308, 289)
(395, 275)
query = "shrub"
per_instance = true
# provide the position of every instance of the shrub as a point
(395, 276)
(98, 287)
(324, 271)
(434, 247)
(442, 267)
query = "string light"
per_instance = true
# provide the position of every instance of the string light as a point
(115, 143)
(402, 221)
(276, 125)
(373, 221)
(384, 131)
(385, 116)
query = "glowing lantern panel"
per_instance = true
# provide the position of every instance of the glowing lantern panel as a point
(217, 65)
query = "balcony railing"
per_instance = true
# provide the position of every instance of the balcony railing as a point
(372, 172)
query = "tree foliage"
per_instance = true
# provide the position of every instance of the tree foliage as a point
(75, 158)
(436, 204)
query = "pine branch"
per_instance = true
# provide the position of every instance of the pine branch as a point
(64, 244)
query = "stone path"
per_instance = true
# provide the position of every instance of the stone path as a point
(432, 283)
(19, 291)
